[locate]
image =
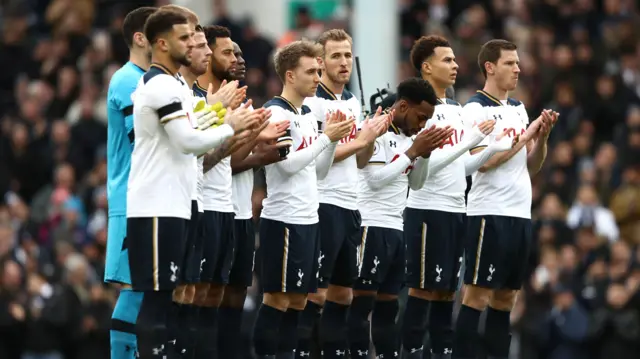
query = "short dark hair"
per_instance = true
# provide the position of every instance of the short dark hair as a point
(424, 48)
(162, 21)
(491, 51)
(190, 15)
(288, 57)
(415, 90)
(215, 31)
(134, 22)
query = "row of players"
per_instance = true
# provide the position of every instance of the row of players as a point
(350, 177)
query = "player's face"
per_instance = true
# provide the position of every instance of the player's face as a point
(507, 70)
(444, 68)
(338, 61)
(412, 118)
(223, 61)
(240, 70)
(181, 44)
(201, 55)
(305, 76)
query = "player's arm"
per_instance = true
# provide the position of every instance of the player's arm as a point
(473, 112)
(364, 155)
(371, 130)
(475, 135)
(348, 149)
(419, 173)
(537, 148)
(297, 160)
(166, 102)
(122, 97)
(378, 173)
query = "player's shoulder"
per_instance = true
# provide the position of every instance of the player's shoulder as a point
(281, 105)
(451, 102)
(157, 77)
(483, 99)
(125, 78)
(198, 90)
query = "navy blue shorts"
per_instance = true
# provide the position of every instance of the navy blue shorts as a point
(434, 248)
(339, 241)
(156, 250)
(497, 251)
(218, 247)
(289, 257)
(193, 248)
(241, 274)
(381, 266)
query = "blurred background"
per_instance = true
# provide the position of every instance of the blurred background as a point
(579, 57)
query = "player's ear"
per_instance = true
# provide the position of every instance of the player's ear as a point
(489, 67)
(288, 76)
(425, 67)
(139, 39)
(321, 63)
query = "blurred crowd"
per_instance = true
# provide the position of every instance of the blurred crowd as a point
(579, 57)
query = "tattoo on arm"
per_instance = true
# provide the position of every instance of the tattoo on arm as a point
(214, 157)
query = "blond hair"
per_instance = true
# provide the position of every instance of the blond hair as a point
(333, 35)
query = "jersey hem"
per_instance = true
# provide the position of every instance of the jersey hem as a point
(382, 225)
(292, 220)
(502, 214)
(441, 209)
(339, 204)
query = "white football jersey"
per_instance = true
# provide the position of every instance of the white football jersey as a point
(241, 191)
(217, 187)
(292, 198)
(384, 207)
(505, 190)
(162, 178)
(444, 190)
(340, 186)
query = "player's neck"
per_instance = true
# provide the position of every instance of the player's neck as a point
(292, 96)
(441, 91)
(166, 64)
(189, 76)
(139, 58)
(492, 89)
(208, 78)
(337, 89)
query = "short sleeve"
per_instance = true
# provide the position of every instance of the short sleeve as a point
(165, 95)
(472, 114)
(379, 156)
(278, 114)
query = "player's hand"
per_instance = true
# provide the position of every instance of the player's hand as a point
(481, 131)
(242, 119)
(273, 130)
(225, 94)
(502, 142)
(428, 140)
(271, 153)
(375, 126)
(239, 95)
(548, 120)
(337, 126)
